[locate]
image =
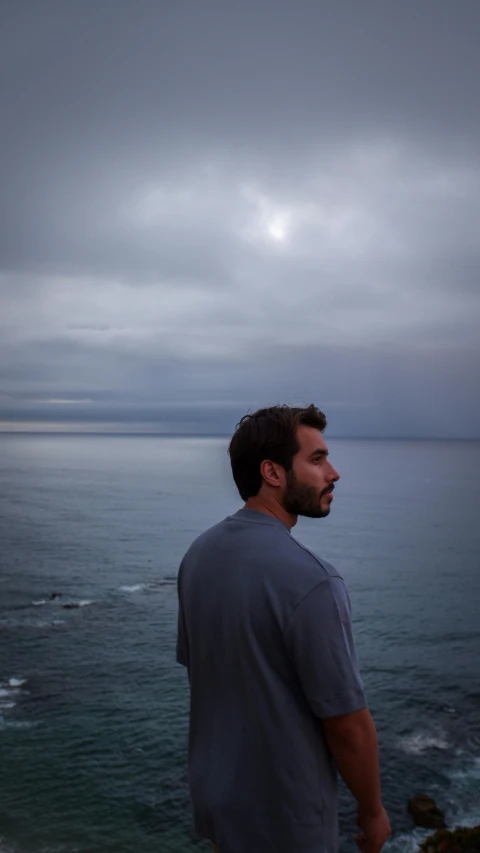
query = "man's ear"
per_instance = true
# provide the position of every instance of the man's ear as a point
(272, 473)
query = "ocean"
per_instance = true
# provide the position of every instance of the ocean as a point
(94, 708)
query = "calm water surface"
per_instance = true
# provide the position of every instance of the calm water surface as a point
(93, 707)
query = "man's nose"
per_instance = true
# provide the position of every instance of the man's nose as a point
(334, 475)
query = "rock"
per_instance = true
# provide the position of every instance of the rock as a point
(54, 595)
(70, 605)
(425, 812)
(460, 840)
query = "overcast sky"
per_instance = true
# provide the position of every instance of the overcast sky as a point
(211, 205)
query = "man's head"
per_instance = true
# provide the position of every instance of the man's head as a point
(279, 458)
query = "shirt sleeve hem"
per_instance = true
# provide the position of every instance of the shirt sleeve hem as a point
(339, 705)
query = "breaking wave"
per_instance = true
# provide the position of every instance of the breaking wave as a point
(420, 742)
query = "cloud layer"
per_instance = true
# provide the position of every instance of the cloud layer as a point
(210, 207)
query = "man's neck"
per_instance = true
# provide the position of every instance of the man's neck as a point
(271, 508)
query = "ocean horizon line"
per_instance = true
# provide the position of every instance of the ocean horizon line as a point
(153, 434)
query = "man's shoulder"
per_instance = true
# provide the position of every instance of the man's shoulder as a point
(276, 558)
(302, 570)
(282, 545)
(310, 559)
(210, 535)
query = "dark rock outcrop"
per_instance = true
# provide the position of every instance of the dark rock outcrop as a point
(425, 812)
(460, 840)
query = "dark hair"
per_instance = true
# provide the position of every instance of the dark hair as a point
(268, 434)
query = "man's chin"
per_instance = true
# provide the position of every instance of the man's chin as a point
(318, 513)
(324, 510)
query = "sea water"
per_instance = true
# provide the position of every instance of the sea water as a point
(94, 708)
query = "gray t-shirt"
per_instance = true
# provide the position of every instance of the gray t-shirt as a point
(264, 629)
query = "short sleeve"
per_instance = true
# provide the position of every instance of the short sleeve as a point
(320, 642)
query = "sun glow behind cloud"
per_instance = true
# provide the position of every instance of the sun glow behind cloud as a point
(278, 228)
(265, 219)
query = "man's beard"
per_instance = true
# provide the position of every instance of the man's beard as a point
(300, 499)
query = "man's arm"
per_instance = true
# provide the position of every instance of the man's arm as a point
(320, 641)
(352, 740)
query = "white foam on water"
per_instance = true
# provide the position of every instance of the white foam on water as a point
(407, 842)
(17, 724)
(468, 819)
(419, 742)
(16, 682)
(461, 813)
(6, 699)
(9, 690)
(470, 773)
(465, 791)
(152, 585)
(65, 604)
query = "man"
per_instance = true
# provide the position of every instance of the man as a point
(276, 700)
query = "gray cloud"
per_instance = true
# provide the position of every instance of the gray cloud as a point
(210, 206)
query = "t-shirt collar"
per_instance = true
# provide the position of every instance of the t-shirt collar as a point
(259, 518)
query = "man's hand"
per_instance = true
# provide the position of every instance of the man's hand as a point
(376, 829)
(352, 740)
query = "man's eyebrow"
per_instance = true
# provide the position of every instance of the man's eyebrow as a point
(319, 452)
